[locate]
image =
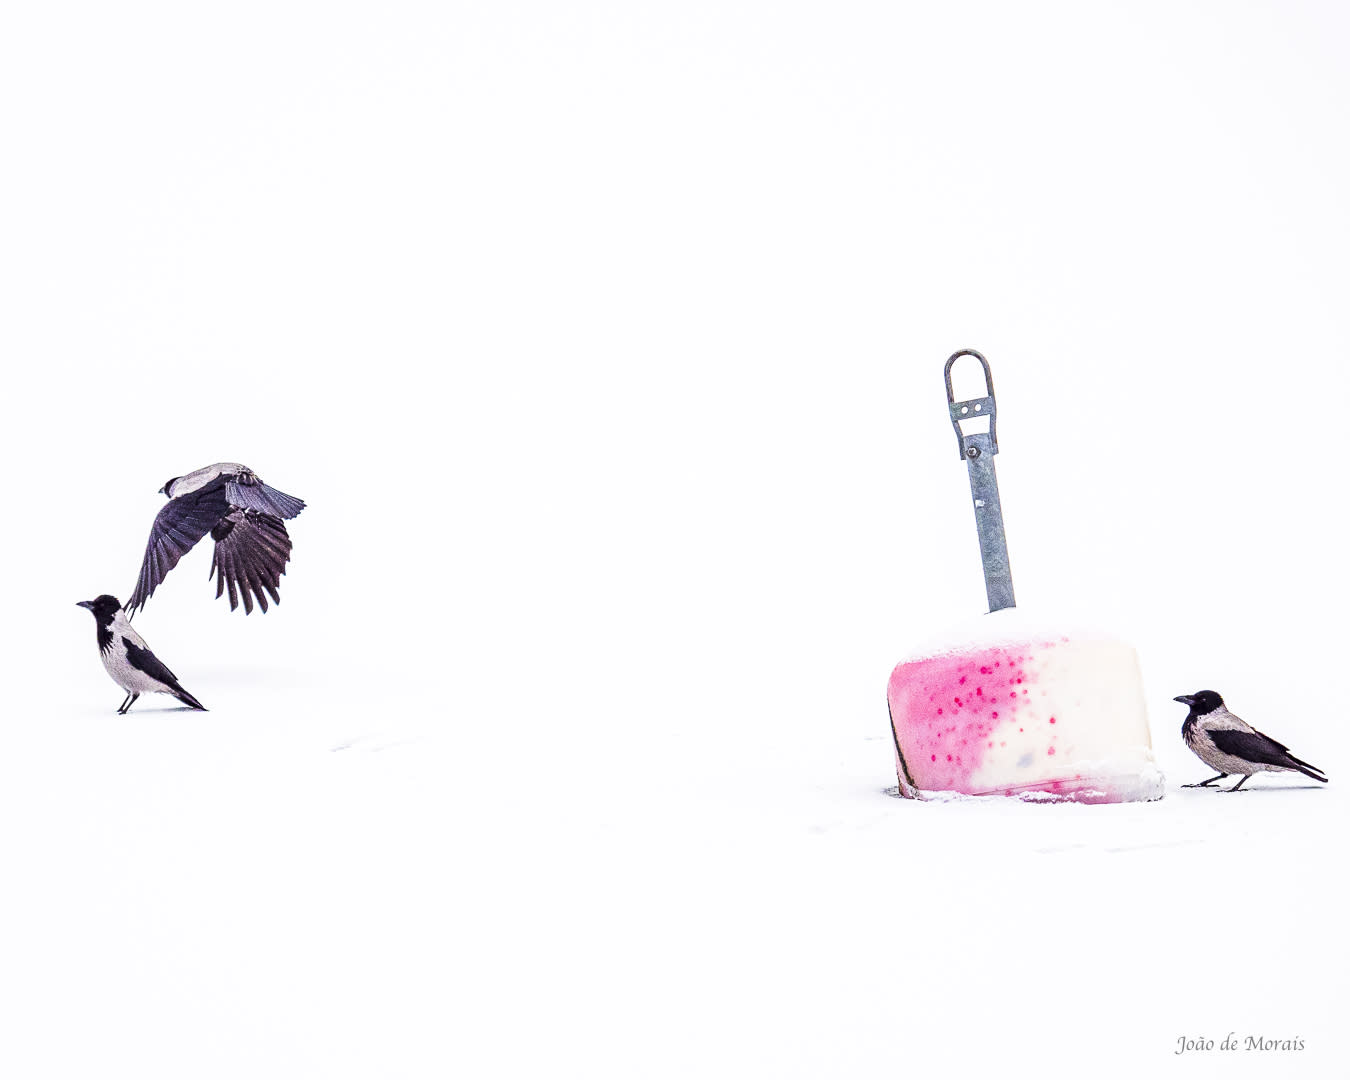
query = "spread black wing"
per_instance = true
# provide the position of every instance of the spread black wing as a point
(176, 530)
(252, 550)
(266, 500)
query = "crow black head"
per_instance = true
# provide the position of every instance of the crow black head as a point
(1201, 702)
(103, 607)
(168, 484)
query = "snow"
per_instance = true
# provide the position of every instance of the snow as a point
(604, 344)
(253, 893)
(1007, 627)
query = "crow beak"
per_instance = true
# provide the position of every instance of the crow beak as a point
(1185, 699)
(160, 491)
(87, 604)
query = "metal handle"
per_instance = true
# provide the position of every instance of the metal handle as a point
(978, 449)
(976, 443)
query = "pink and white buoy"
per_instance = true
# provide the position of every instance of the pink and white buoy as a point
(1010, 706)
(1015, 708)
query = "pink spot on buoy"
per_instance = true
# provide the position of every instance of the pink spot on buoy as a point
(991, 746)
(995, 716)
(1052, 719)
(963, 722)
(1051, 751)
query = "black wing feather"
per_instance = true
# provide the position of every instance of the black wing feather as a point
(1251, 746)
(176, 530)
(264, 499)
(152, 665)
(251, 553)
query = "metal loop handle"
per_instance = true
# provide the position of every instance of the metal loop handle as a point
(976, 443)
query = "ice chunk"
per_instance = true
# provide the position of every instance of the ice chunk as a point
(1008, 707)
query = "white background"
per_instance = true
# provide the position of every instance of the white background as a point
(605, 344)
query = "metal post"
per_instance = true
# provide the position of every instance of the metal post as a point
(978, 449)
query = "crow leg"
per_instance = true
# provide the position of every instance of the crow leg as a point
(126, 701)
(131, 702)
(1240, 782)
(1206, 783)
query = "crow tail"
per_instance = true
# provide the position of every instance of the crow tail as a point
(186, 698)
(1306, 769)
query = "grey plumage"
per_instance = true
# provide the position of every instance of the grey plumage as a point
(128, 659)
(1226, 742)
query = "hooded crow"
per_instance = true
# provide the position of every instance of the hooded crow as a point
(1227, 743)
(244, 517)
(128, 659)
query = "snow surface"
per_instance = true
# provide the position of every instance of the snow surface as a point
(1009, 626)
(604, 343)
(251, 893)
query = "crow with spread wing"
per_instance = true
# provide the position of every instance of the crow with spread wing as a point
(244, 517)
